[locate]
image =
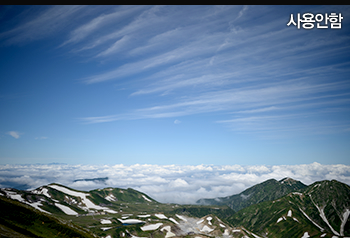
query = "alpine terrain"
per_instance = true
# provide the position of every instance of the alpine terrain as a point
(266, 191)
(285, 208)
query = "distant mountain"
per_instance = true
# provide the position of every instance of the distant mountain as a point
(265, 191)
(320, 210)
(99, 180)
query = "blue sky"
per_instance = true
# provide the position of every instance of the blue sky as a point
(164, 85)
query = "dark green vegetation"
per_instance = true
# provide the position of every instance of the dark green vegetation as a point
(285, 208)
(20, 220)
(199, 211)
(266, 191)
(321, 208)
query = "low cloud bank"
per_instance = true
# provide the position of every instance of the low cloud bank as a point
(167, 183)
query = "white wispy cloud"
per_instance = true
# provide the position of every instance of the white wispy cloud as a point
(99, 22)
(14, 134)
(177, 121)
(265, 109)
(118, 45)
(169, 183)
(242, 57)
(177, 55)
(240, 98)
(207, 59)
(47, 22)
(140, 23)
(181, 81)
(241, 12)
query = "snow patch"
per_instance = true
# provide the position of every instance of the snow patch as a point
(289, 213)
(200, 221)
(173, 220)
(105, 221)
(111, 198)
(311, 220)
(306, 234)
(226, 232)
(43, 191)
(255, 235)
(106, 228)
(66, 209)
(36, 205)
(181, 217)
(110, 211)
(222, 225)
(323, 216)
(86, 201)
(146, 198)
(169, 233)
(297, 193)
(344, 220)
(70, 200)
(130, 221)
(161, 216)
(14, 196)
(143, 216)
(151, 227)
(209, 220)
(206, 229)
(68, 191)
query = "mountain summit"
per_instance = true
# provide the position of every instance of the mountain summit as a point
(265, 191)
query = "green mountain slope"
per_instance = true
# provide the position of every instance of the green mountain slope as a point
(115, 212)
(122, 195)
(21, 220)
(321, 210)
(265, 191)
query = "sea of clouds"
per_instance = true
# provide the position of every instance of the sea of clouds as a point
(182, 184)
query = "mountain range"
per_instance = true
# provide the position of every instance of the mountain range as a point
(285, 208)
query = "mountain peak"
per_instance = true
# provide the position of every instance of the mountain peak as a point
(266, 191)
(288, 181)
